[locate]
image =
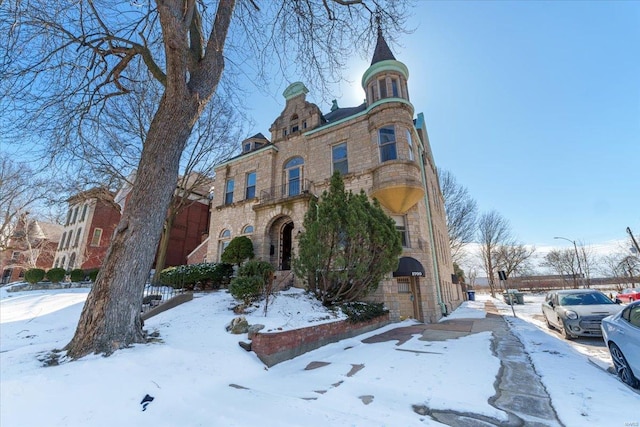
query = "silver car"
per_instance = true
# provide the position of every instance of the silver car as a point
(577, 312)
(621, 333)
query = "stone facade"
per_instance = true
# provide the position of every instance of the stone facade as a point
(379, 147)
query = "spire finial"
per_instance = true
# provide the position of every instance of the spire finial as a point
(382, 51)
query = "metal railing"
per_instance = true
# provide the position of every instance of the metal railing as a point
(155, 295)
(285, 191)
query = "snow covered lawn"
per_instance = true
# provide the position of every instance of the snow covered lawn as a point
(199, 376)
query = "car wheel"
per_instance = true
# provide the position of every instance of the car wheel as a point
(549, 325)
(622, 367)
(565, 334)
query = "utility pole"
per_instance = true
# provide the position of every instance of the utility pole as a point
(575, 248)
(633, 239)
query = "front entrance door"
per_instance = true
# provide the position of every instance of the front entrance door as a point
(408, 298)
(286, 237)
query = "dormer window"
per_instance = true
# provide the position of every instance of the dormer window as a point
(294, 123)
(246, 147)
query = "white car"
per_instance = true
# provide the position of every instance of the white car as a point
(621, 333)
(577, 312)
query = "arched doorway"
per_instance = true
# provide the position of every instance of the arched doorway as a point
(281, 243)
(287, 233)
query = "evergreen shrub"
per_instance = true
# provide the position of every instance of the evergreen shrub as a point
(247, 288)
(208, 275)
(34, 275)
(77, 275)
(93, 274)
(56, 275)
(362, 311)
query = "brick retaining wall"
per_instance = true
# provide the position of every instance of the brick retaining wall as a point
(276, 347)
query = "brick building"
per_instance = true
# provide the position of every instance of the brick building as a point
(91, 219)
(32, 245)
(379, 147)
(94, 214)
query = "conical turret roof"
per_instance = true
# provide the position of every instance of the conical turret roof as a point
(382, 51)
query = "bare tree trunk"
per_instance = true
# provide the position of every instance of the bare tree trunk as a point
(111, 319)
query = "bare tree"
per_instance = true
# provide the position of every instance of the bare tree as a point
(621, 266)
(93, 52)
(587, 261)
(493, 230)
(564, 263)
(21, 189)
(461, 213)
(513, 258)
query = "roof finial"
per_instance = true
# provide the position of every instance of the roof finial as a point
(379, 20)
(382, 51)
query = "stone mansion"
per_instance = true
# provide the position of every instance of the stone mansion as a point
(379, 147)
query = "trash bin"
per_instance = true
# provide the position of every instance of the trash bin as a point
(519, 297)
(513, 296)
(471, 295)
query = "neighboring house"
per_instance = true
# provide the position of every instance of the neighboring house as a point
(379, 147)
(32, 245)
(191, 225)
(91, 219)
(94, 214)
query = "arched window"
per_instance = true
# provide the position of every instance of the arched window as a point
(72, 261)
(225, 238)
(78, 234)
(69, 236)
(248, 229)
(293, 176)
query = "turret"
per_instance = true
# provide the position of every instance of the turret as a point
(386, 77)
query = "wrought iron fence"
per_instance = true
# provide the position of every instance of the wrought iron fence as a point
(155, 295)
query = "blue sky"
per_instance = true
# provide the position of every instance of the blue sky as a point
(533, 106)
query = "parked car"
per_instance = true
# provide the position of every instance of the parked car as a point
(577, 312)
(621, 333)
(629, 295)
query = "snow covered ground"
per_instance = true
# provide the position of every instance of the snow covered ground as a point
(199, 376)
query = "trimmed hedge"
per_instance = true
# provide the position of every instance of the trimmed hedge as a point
(207, 275)
(56, 275)
(93, 274)
(240, 248)
(34, 275)
(77, 275)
